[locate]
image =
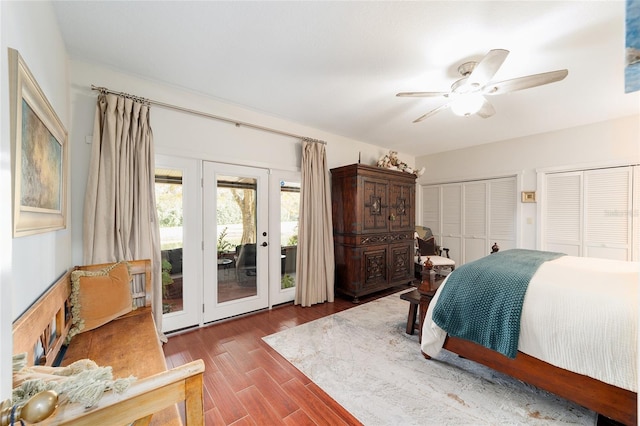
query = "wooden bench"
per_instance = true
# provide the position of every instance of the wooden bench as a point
(128, 344)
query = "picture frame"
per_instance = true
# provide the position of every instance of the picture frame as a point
(39, 157)
(528, 197)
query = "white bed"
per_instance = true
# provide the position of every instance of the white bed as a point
(579, 314)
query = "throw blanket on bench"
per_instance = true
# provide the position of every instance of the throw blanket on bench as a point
(482, 300)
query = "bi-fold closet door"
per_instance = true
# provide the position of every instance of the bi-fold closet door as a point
(469, 217)
(591, 212)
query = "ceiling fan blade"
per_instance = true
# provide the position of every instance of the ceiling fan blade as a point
(487, 68)
(422, 94)
(432, 112)
(526, 82)
(486, 110)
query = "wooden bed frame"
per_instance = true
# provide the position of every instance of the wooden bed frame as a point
(610, 401)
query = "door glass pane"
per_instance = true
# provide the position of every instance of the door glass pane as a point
(169, 204)
(289, 211)
(236, 244)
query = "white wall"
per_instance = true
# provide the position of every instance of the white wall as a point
(600, 144)
(181, 134)
(28, 265)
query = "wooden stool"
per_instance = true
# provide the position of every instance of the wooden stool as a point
(413, 297)
(420, 299)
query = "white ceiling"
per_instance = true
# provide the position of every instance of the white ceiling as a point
(336, 66)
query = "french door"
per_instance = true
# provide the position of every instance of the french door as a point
(178, 203)
(235, 240)
(228, 236)
(284, 210)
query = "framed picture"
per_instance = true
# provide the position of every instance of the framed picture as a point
(39, 155)
(632, 47)
(528, 196)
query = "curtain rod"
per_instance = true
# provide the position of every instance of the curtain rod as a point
(207, 115)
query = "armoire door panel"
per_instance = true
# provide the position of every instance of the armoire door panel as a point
(401, 262)
(375, 267)
(376, 205)
(401, 208)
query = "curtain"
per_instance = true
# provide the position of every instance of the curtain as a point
(120, 218)
(315, 264)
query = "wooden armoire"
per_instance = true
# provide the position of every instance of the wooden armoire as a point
(373, 228)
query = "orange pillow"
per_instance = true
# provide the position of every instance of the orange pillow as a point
(97, 297)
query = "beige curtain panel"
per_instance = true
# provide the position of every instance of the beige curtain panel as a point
(120, 221)
(315, 263)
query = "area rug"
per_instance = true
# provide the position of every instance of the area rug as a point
(363, 359)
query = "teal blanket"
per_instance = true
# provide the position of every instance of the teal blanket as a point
(482, 300)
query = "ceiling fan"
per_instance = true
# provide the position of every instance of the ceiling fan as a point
(467, 94)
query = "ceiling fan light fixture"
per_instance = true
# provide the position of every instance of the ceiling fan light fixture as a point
(466, 96)
(467, 104)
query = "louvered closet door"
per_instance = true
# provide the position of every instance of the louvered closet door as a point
(452, 220)
(635, 216)
(503, 197)
(562, 219)
(475, 221)
(431, 209)
(607, 197)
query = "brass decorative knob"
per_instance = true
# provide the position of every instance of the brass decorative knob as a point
(36, 409)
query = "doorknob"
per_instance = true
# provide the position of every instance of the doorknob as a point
(264, 244)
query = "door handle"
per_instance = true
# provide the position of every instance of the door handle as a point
(264, 244)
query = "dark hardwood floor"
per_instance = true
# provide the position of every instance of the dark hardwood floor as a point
(248, 383)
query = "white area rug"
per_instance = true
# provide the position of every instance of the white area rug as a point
(363, 358)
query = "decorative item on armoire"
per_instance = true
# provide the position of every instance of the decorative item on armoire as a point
(392, 162)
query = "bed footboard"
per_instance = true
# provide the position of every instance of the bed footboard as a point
(613, 402)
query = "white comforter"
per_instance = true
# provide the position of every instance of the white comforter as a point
(580, 314)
